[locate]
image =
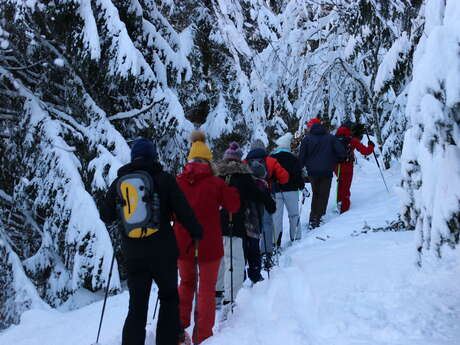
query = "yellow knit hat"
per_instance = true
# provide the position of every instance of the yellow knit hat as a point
(199, 148)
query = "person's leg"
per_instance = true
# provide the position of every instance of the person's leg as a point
(252, 253)
(325, 189)
(238, 267)
(278, 217)
(220, 285)
(139, 284)
(168, 326)
(292, 205)
(186, 290)
(206, 301)
(315, 212)
(344, 191)
(266, 243)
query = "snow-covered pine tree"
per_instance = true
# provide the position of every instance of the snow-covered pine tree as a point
(431, 154)
(77, 80)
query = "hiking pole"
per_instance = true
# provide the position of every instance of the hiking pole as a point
(378, 164)
(230, 225)
(195, 314)
(156, 306)
(105, 299)
(337, 203)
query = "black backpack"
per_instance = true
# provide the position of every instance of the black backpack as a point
(139, 205)
(345, 141)
(258, 167)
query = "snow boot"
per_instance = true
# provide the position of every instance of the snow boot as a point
(219, 299)
(184, 339)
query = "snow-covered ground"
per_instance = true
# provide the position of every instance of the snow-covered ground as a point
(330, 289)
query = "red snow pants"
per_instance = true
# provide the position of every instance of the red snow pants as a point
(208, 271)
(343, 195)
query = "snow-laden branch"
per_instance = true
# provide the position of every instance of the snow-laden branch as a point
(134, 112)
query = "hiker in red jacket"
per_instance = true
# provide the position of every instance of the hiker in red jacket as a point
(206, 194)
(344, 170)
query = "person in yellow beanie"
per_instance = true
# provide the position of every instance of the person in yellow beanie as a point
(199, 149)
(206, 194)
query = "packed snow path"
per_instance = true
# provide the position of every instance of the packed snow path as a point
(330, 289)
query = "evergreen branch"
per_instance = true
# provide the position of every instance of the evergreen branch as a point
(25, 67)
(7, 117)
(135, 112)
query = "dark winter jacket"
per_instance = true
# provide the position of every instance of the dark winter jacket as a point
(355, 143)
(275, 172)
(239, 176)
(291, 164)
(172, 200)
(320, 151)
(207, 194)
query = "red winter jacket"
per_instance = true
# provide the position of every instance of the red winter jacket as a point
(347, 167)
(205, 193)
(276, 171)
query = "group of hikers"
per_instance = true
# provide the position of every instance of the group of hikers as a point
(216, 225)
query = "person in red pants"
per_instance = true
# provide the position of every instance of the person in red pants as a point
(344, 170)
(206, 194)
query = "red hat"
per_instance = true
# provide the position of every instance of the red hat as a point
(313, 121)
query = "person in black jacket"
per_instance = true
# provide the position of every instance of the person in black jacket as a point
(287, 194)
(154, 257)
(235, 227)
(319, 153)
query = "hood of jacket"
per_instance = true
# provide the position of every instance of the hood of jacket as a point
(194, 172)
(140, 164)
(343, 131)
(257, 153)
(318, 129)
(230, 167)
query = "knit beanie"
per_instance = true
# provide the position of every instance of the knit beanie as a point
(233, 152)
(258, 144)
(199, 148)
(144, 149)
(313, 121)
(284, 141)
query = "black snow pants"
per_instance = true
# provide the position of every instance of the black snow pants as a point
(321, 187)
(251, 248)
(140, 276)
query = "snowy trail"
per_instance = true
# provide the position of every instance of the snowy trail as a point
(362, 290)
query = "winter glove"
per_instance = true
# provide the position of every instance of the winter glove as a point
(370, 143)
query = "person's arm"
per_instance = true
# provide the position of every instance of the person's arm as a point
(281, 174)
(182, 210)
(108, 207)
(364, 150)
(297, 175)
(230, 197)
(303, 153)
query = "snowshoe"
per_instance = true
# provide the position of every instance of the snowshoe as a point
(267, 260)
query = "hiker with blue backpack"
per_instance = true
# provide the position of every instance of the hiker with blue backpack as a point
(143, 199)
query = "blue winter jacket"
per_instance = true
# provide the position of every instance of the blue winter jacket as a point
(320, 152)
